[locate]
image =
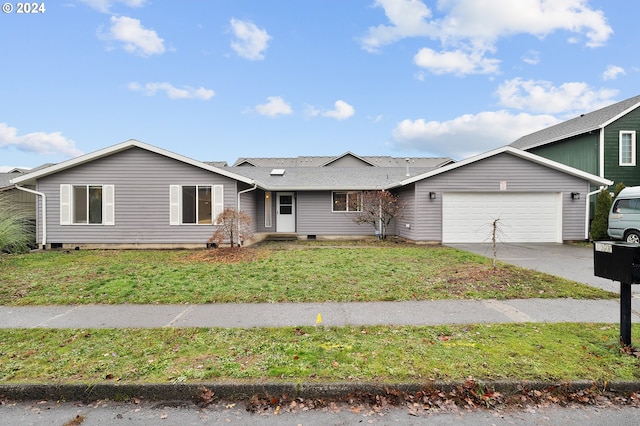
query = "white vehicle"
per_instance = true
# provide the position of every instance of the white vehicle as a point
(624, 216)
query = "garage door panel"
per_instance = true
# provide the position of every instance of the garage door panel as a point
(522, 217)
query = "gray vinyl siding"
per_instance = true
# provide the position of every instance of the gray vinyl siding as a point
(248, 203)
(406, 196)
(315, 217)
(485, 176)
(141, 180)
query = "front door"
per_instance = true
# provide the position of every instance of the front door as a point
(286, 212)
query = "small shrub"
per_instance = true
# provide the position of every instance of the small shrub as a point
(600, 221)
(233, 226)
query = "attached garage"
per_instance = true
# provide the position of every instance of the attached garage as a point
(533, 198)
(467, 217)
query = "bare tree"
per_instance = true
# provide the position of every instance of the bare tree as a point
(378, 209)
(233, 226)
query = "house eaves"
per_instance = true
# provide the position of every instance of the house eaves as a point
(123, 146)
(596, 180)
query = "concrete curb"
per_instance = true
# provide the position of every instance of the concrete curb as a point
(192, 392)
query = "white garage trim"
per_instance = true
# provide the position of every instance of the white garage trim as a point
(522, 216)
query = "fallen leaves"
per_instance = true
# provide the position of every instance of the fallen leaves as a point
(226, 255)
(467, 396)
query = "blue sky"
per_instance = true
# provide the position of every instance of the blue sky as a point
(223, 79)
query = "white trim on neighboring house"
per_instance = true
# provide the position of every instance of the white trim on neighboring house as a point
(601, 153)
(632, 161)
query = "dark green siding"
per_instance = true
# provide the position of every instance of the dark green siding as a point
(630, 175)
(580, 152)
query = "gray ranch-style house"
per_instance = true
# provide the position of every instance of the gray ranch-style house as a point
(136, 195)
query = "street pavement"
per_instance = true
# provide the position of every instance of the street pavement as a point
(152, 413)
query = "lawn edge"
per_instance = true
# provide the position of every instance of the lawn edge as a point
(193, 392)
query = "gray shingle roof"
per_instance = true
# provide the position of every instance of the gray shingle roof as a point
(5, 178)
(577, 126)
(319, 161)
(327, 178)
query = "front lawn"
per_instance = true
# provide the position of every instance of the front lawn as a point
(272, 273)
(562, 352)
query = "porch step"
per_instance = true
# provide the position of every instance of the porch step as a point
(282, 236)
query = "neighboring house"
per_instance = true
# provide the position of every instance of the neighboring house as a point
(136, 195)
(22, 201)
(602, 142)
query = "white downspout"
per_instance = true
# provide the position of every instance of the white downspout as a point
(255, 185)
(44, 213)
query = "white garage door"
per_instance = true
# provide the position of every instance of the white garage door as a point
(523, 217)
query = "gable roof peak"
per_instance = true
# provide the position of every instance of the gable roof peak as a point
(123, 146)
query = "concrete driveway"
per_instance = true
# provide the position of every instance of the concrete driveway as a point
(571, 261)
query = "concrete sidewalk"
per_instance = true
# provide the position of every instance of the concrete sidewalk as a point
(309, 314)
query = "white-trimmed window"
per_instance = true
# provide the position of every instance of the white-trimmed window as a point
(627, 148)
(195, 204)
(346, 201)
(87, 205)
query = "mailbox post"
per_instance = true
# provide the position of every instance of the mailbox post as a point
(619, 261)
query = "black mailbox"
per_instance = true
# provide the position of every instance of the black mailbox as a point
(617, 261)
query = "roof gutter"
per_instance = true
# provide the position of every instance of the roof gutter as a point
(44, 212)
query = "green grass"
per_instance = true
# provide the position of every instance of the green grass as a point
(307, 273)
(547, 352)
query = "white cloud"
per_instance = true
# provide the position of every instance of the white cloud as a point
(612, 72)
(543, 97)
(187, 92)
(467, 29)
(407, 18)
(276, 106)
(250, 41)
(38, 142)
(469, 134)
(532, 57)
(342, 111)
(135, 38)
(104, 6)
(455, 62)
